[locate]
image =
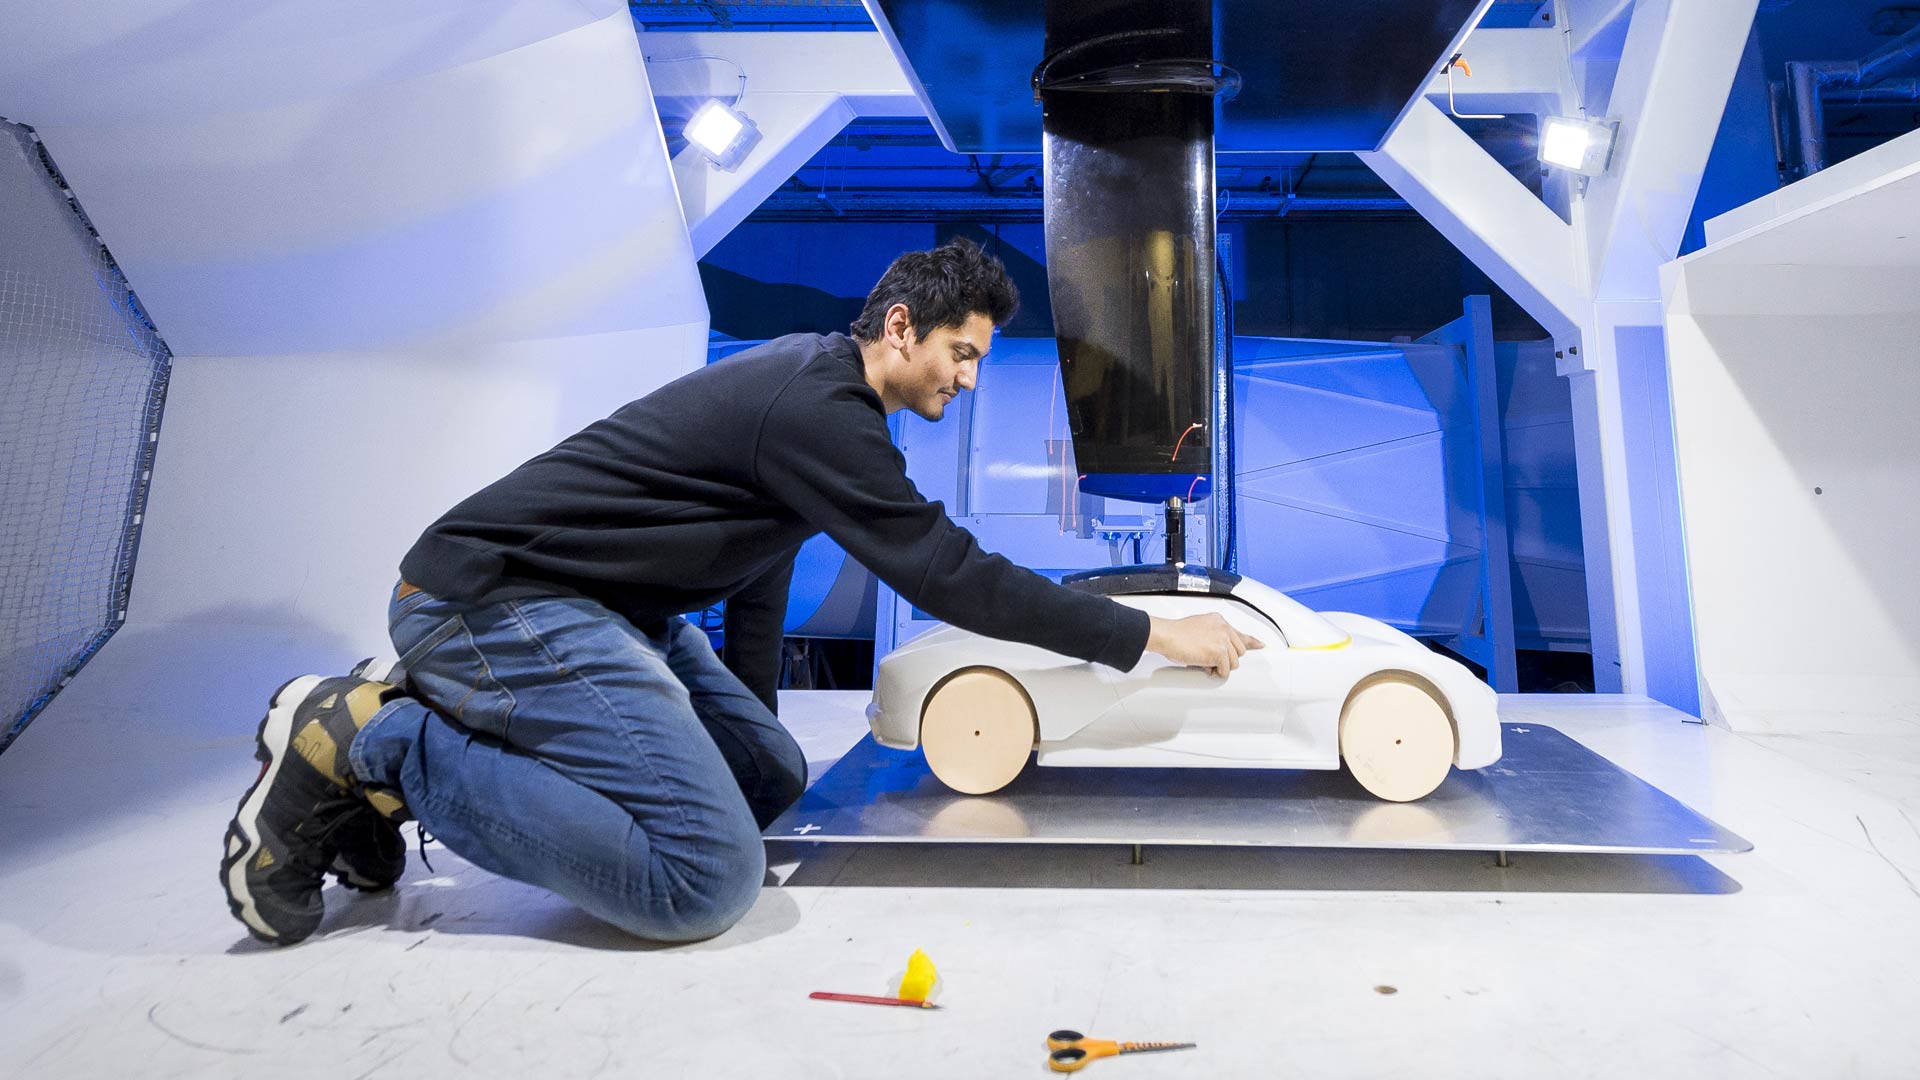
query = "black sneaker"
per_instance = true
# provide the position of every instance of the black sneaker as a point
(287, 831)
(373, 854)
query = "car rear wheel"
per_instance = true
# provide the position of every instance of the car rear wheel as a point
(977, 730)
(1396, 739)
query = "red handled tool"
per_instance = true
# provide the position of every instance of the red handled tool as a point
(863, 999)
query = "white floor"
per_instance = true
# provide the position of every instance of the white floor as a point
(118, 957)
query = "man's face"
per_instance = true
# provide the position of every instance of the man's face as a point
(942, 364)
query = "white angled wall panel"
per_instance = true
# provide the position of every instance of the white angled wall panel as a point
(518, 194)
(1795, 370)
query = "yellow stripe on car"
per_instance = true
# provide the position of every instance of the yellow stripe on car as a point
(1341, 644)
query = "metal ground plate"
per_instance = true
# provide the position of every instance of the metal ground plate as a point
(1546, 793)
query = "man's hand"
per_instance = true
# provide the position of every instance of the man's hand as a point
(1207, 641)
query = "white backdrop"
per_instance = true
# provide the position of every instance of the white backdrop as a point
(287, 489)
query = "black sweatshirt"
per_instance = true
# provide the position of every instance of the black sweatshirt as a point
(705, 489)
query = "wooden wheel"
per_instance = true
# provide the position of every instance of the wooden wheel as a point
(1396, 740)
(977, 730)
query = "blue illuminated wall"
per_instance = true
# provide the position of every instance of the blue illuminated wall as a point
(1357, 470)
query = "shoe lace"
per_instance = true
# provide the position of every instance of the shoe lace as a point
(327, 819)
(422, 830)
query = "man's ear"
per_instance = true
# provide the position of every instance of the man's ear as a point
(899, 323)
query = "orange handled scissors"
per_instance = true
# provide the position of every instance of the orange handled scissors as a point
(1072, 1050)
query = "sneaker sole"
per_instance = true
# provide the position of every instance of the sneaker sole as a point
(347, 878)
(243, 833)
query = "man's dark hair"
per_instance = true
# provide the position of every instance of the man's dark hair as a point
(941, 288)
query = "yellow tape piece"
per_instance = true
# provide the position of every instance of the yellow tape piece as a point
(918, 981)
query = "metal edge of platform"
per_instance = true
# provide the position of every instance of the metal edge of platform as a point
(1548, 795)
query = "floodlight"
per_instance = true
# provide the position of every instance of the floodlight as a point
(724, 134)
(1581, 146)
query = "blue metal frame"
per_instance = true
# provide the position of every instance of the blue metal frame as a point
(1492, 646)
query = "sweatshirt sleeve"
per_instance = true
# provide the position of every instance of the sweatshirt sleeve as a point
(755, 621)
(824, 452)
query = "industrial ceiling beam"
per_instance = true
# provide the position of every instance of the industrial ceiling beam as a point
(1489, 215)
(1670, 88)
(800, 89)
(1662, 68)
(1670, 91)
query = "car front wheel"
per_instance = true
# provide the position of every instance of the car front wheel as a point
(1396, 739)
(977, 730)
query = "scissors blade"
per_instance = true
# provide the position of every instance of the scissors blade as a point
(1150, 1047)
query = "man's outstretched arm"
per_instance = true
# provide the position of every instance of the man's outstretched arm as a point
(830, 459)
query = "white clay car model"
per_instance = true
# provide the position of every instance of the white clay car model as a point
(1327, 687)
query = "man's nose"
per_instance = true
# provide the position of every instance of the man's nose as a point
(968, 372)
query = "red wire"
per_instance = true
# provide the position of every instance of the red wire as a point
(1182, 440)
(1190, 487)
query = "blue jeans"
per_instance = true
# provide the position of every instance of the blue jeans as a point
(621, 767)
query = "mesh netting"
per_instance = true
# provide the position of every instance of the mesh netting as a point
(82, 378)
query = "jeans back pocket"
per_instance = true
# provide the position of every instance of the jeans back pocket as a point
(447, 670)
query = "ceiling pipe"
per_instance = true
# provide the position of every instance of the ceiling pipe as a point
(1806, 80)
(1890, 92)
(1813, 83)
(1890, 59)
